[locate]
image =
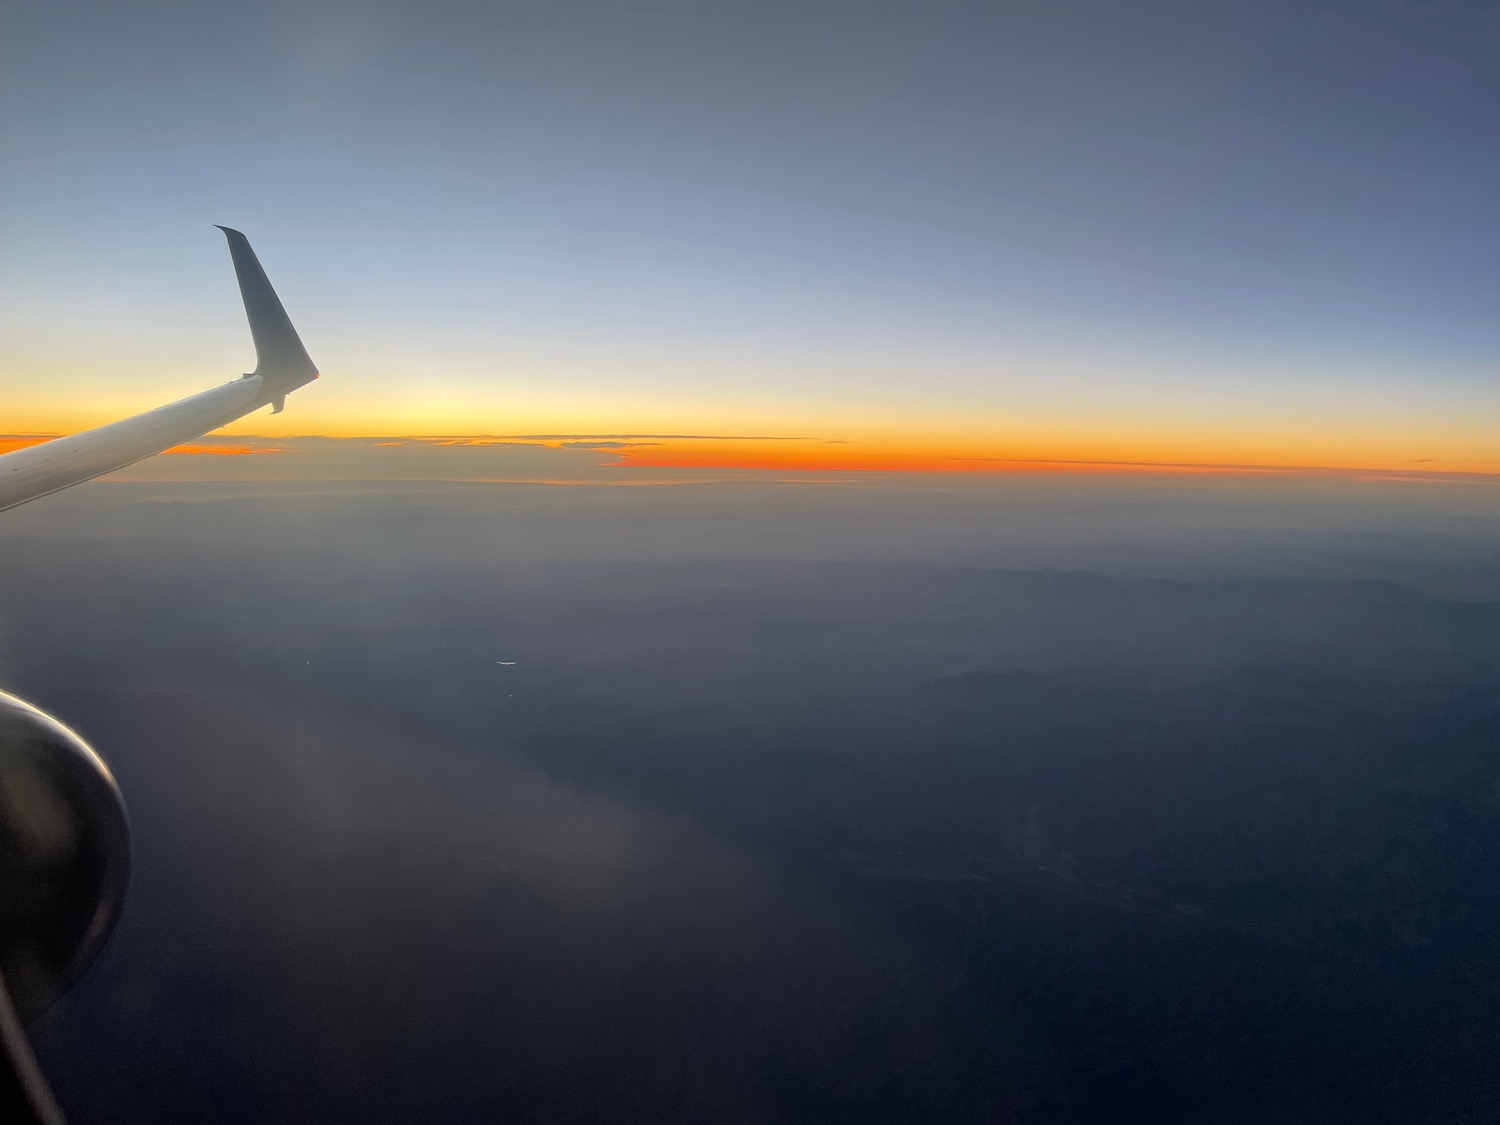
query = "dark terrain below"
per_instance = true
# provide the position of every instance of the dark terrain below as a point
(764, 840)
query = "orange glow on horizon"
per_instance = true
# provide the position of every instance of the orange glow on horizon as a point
(11, 442)
(815, 456)
(813, 460)
(224, 450)
(611, 452)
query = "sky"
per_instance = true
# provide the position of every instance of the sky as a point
(811, 235)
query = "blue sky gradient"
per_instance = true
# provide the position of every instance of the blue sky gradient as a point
(877, 221)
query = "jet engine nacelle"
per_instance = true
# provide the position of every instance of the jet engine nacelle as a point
(64, 855)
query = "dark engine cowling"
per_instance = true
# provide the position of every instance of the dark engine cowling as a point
(64, 855)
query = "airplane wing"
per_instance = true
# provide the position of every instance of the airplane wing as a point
(282, 365)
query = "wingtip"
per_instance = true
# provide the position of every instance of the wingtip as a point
(280, 359)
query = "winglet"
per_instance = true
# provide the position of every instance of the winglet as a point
(281, 360)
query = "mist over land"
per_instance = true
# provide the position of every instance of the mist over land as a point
(1046, 799)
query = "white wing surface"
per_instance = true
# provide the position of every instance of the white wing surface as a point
(282, 365)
